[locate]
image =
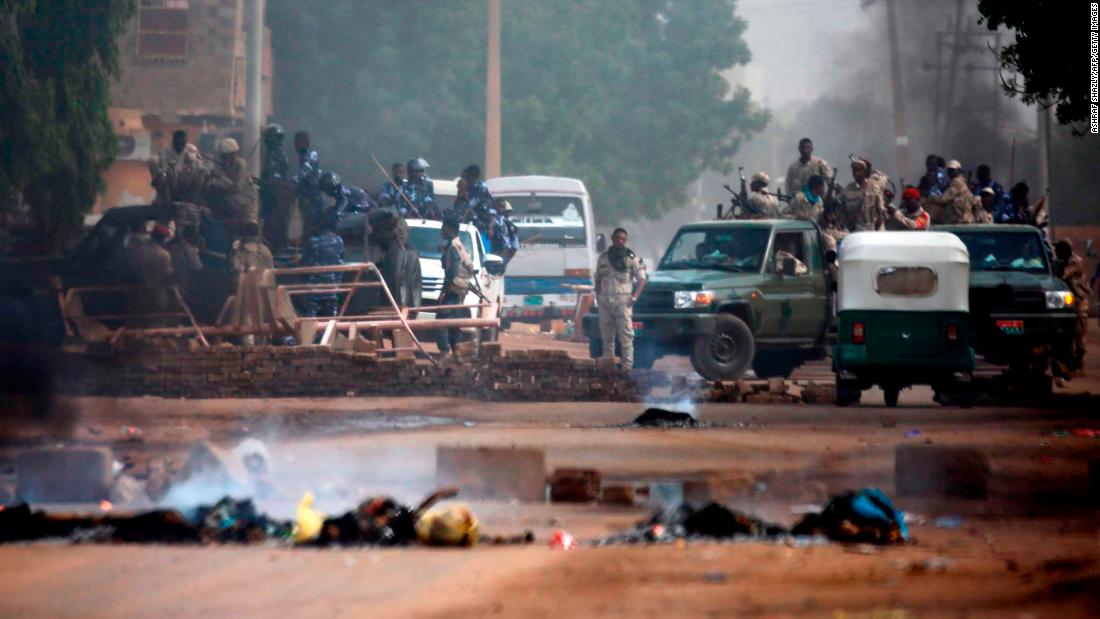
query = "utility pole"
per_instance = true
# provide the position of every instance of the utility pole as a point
(952, 74)
(937, 106)
(492, 94)
(901, 134)
(253, 94)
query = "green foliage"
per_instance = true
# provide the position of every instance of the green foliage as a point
(56, 57)
(624, 95)
(1045, 30)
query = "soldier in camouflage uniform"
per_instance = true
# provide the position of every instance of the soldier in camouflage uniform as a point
(308, 179)
(800, 171)
(956, 205)
(458, 269)
(248, 252)
(808, 203)
(232, 194)
(325, 248)
(1071, 268)
(616, 270)
(761, 204)
(863, 200)
(420, 190)
(178, 172)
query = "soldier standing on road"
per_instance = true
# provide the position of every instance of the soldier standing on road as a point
(234, 195)
(1071, 268)
(957, 203)
(308, 179)
(805, 166)
(808, 203)
(458, 269)
(616, 270)
(325, 248)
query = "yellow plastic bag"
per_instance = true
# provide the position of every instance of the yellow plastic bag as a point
(451, 524)
(309, 523)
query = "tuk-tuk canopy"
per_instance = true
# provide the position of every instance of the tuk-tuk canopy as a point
(903, 271)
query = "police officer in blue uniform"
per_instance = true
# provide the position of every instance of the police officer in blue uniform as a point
(308, 178)
(325, 248)
(420, 190)
(346, 199)
(479, 202)
(389, 195)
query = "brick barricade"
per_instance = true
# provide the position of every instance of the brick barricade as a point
(278, 371)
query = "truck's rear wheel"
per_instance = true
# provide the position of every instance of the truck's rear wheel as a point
(725, 354)
(847, 392)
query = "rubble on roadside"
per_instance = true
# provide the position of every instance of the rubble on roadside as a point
(378, 521)
(860, 517)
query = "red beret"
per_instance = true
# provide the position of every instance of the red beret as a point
(910, 193)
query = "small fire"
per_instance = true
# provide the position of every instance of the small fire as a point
(105, 505)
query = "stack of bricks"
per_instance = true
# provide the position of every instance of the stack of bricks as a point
(487, 373)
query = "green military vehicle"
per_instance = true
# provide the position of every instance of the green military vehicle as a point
(734, 295)
(1021, 314)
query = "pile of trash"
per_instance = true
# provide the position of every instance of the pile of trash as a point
(663, 418)
(378, 521)
(865, 517)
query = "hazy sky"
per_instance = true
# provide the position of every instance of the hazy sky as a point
(794, 43)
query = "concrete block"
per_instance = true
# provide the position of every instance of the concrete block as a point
(941, 471)
(618, 495)
(64, 475)
(493, 472)
(570, 485)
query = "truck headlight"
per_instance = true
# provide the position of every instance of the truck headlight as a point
(1059, 299)
(685, 299)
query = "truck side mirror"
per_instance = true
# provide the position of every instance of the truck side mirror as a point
(601, 243)
(830, 256)
(494, 265)
(786, 266)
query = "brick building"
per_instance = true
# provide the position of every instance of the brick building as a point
(182, 67)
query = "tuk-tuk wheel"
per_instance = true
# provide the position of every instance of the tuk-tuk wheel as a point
(891, 395)
(847, 392)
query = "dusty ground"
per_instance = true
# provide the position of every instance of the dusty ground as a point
(1031, 550)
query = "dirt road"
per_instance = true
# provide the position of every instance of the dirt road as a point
(1031, 550)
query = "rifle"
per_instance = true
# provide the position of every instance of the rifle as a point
(396, 186)
(744, 190)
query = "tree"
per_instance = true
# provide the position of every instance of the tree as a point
(1043, 32)
(624, 95)
(56, 58)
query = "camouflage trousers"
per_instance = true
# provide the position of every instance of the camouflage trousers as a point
(617, 321)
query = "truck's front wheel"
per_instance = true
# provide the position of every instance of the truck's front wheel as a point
(725, 354)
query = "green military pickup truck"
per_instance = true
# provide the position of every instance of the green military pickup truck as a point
(734, 295)
(1021, 314)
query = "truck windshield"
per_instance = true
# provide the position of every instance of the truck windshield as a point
(548, 220)
(730, 249)
(1012, 251)
(428, 242)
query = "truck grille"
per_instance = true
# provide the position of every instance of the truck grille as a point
(653, 301)
(432, 284)
(1004, 299)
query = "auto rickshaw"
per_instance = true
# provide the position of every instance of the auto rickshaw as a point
(903, 316)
